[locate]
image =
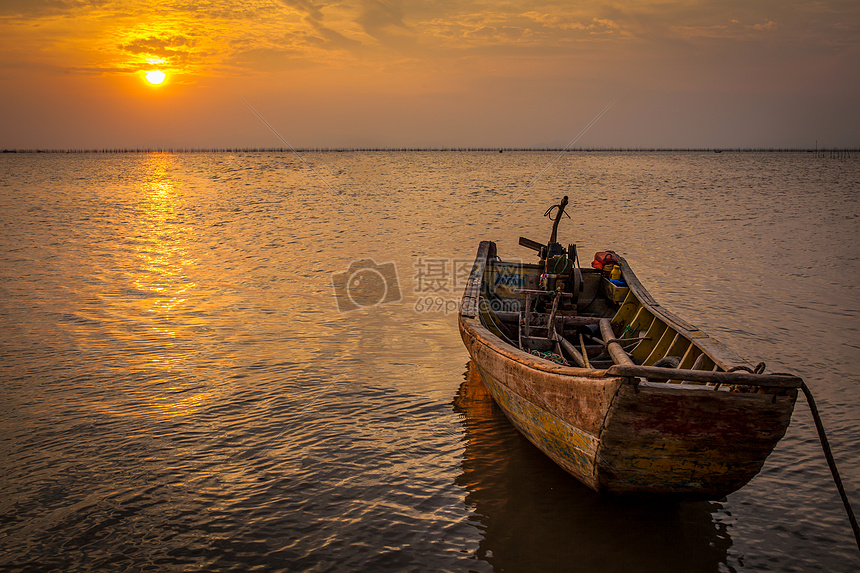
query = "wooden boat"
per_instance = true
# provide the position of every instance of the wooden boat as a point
(621, 393)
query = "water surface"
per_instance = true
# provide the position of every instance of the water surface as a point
(180, 390)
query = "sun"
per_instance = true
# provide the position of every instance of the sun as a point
(155, 77)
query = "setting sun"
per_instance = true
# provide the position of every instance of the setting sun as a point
(155, 77)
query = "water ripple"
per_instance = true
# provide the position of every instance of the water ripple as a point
(179, 390)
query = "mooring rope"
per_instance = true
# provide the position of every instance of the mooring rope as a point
(825, 445)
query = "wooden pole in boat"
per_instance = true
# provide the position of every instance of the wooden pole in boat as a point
(584, 351)
(553, 238)
(570, 348)
(615, 349)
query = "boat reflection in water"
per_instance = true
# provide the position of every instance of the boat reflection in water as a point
(536, 517)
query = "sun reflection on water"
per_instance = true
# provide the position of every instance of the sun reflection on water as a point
(161, 279)
(162, 248)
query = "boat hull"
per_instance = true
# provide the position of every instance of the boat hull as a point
(622, 433)
(705, 444)
(618, 437)
(561, 414)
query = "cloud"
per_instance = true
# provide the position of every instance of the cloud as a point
(332, 39)
(463, 37)
(733, 29)
(270, 59)
(306, 7)
(41, 8)
(159, 46)
(383, 20)
(767, 26)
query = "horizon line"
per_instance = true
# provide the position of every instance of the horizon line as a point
(130, 150)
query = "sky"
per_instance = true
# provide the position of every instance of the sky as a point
(430, 73)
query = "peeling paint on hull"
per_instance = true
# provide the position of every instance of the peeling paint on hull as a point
(696, 444)
(570, 447)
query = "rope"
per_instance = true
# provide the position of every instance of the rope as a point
(549, 211)
(496, 323)
(830, 462)
(620, 340)
(548, 355)
(759, 368)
